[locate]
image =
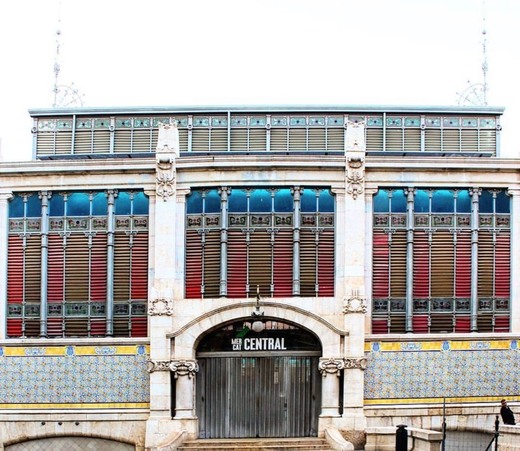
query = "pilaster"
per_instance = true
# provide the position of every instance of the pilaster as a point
(515, 262)
(4, 232)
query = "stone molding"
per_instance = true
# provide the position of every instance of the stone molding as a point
(160, 307)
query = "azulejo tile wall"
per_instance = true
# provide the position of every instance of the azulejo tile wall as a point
(458, 371)
(74, 376)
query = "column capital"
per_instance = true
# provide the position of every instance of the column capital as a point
(184, 368)
(331, 365)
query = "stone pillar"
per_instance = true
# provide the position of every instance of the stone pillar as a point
(4, 233)
(515, 262)
(184, 373)
(330, 369)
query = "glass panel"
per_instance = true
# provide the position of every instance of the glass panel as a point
(442, 201)
(398, 201)
(463, 202)
(78, 204)
(237, 201)
(16, 207)
(283, 201)
(99, 204)
(326, 202)
(212, 204)
(57, 205)
(381, 204)
(422, 201)
(308, 201)
(260, 201)
(485, 203)
(123, 205)
(34, 206)
(140, 203)
(502, 205)
(194, 202)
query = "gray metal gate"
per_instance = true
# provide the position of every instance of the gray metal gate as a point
(258, 396)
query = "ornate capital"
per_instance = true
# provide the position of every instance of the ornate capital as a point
(331, 366)
(355, 176)
(184, 368)
(359, 363)
(160, 307)
(158, 365)
(355, 304)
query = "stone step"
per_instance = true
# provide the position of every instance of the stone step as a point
(247, 444)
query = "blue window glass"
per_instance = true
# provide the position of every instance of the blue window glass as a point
(34, 206)
(381, 204)
(123, 204)
(237, 202)
(283, 201)
(57, 205)
(398, 201)
(502, 202)
(194, 202)
(100, 204)
(260, 201)
(326, 202)
(442, 201)
(16, 207)
(422, 201)
(140, 203)
(485, 202)
(212, 203)
(78, 204)
(463, 201)
(308, 201)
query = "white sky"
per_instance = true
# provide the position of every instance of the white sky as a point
(240, 52)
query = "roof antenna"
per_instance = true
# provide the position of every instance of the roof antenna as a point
(476, 93)
(64, 95)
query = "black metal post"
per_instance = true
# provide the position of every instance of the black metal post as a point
(443, 447)
(497, 423)
(401, 438)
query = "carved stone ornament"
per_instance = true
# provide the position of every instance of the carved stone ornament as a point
(355, 176)
(168, 138)
(355, 304)
(331, 366)
(160, 307)
(359, 363)
(158, 365)
(184, 368)
(355, 135)
(165, 178)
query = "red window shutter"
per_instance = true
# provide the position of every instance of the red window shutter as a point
(139, 271)
(503, 265)
(380, 326)
(326, 263)
(15, 270)
(381, 266)
(283, 263)
(98, 268)
(463, 265)
(421, 265)
(260, 263)
(237, 264)
(193, 264)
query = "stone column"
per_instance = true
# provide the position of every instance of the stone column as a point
(515, 262)
(330, 369)
(184, 373)
(4, 233)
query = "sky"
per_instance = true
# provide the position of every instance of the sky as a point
(124, 53)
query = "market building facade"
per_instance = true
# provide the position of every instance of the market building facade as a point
(179, 273)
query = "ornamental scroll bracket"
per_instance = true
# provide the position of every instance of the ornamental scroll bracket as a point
(355, 363)
(158, 365)
(355, 303)
(331, 366)
(160, 307)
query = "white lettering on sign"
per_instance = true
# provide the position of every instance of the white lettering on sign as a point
(264, 344)
(236, 344)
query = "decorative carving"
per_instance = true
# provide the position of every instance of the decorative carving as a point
(158, 365)
(165, 178)
(355, 136)
(184, 368)
(359, 363)
(168, 138)
(355, 304)
(331, 366)
(355, 176)
(160, 307)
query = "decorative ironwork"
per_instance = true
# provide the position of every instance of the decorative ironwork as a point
(161, 307)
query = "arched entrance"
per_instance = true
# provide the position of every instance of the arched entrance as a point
(262, 383)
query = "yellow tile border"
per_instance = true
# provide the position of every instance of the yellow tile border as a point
(437, 345)
(79, 350)
(454, 400)
(103, 405)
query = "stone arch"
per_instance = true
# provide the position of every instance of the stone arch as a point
(188, 336)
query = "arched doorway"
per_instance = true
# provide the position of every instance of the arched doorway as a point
(262, 383)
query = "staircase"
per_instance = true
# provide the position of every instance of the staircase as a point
(258, 444)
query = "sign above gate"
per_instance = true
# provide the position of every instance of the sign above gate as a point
(276, 336)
